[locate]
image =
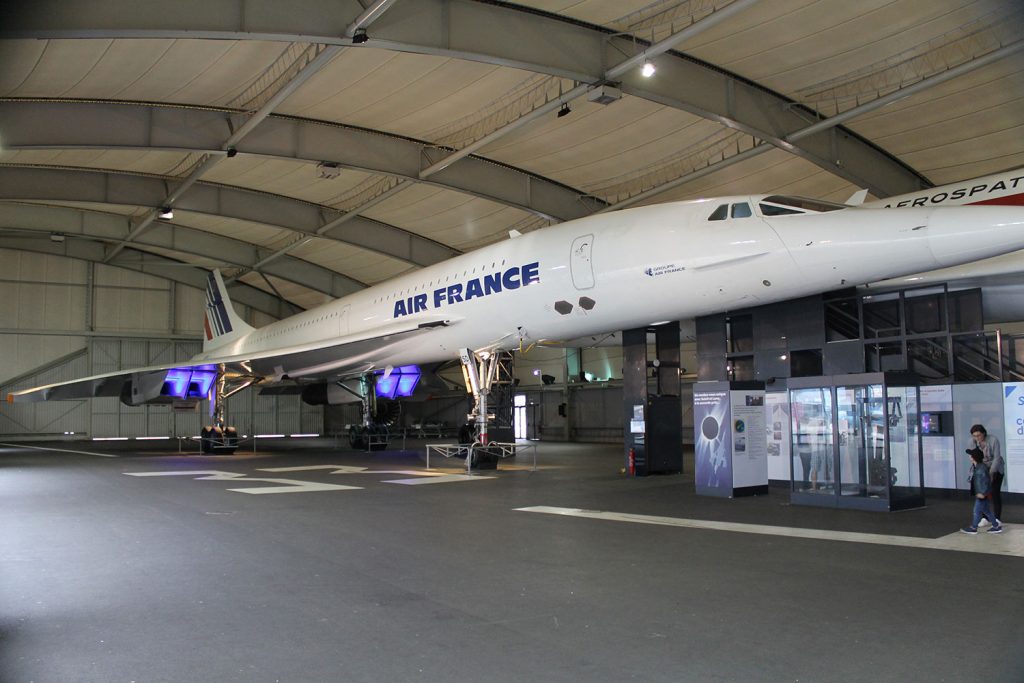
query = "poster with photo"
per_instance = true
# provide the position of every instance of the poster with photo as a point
(712, 432)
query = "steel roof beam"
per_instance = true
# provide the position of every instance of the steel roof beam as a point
(111, 228)
(493, 33)
(105, 187)
(28, 124)
(344, 218)
(211, 160)
(825, 124)
(653, 51)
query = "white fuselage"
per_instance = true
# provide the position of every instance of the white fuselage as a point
(636, 267)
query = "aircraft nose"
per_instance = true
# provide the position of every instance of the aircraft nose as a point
(964, 234)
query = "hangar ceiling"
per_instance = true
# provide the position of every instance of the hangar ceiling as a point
(312, 148)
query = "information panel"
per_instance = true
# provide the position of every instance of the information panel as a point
(1013, 419)
(777, 427)
(938, 448)
(712, 439)
(749, 446)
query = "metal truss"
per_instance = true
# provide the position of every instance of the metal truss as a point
(108, 187)
(108, 228)
(492, 33)
(30, 124)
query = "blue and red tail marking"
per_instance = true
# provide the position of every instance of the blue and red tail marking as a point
(218, 322)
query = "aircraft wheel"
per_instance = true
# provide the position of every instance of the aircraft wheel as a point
(466, 434)
(206, 440)
(357, 438)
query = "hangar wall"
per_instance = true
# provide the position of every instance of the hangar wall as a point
(61, 319)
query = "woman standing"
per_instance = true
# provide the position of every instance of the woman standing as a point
(993, 453)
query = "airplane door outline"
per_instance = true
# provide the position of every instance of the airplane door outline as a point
(581, 262)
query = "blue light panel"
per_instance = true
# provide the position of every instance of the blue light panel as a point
(177, 381)
(401, 382)
(386, 387)
(201, 382)
(189, 382)
(408, 378)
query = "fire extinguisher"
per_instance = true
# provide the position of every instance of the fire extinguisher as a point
(632, 462)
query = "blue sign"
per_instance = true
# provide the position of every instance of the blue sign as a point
(485, 285)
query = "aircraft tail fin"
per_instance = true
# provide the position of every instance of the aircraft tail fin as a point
(222, 323)
(857, 198)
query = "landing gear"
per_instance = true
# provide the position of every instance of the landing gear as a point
(487, 375)
(217, 440)
(374, 437)
(220, 438)
(478, 370)
(368, 436)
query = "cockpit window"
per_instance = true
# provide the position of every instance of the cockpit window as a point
(720, 214)
(787, 205)
(772, 210)
(741, 210)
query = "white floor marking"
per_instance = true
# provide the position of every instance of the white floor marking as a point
(287, 485)
(1010, 542)
(293, 486)
(215, 475)
(338, 469)
(349, 469)
(58, 450)
(441, 479)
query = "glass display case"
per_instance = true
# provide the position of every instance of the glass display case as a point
(857, 441)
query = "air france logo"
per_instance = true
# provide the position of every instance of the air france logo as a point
(485, 285)
(655, 271)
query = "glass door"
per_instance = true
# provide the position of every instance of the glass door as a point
(813, 460)
(861, 440)
(519, 419)
(906, 465)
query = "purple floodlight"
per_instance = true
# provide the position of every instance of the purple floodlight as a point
(401, 382)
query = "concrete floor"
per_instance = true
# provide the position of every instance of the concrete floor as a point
(107, 578)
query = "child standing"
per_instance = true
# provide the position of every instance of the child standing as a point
(981, 487)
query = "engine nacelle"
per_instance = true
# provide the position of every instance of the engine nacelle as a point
(168, 386)
(143, 388)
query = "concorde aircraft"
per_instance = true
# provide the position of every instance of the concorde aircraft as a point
(607, 272)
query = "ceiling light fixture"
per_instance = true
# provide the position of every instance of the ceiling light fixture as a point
(360, 37)
(564, 110)
(165, 213)
(648, 69)
(328, 169)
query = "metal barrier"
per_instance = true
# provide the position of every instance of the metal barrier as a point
(505, 450)
(433, 430)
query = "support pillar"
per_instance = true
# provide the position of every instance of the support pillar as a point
(652, 409)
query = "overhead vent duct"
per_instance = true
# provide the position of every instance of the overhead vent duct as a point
(604, 94)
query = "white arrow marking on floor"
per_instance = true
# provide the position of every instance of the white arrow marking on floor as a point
(1010, 542)
(287, 485)
(293, 486)
(338, 469)
(349, 469)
